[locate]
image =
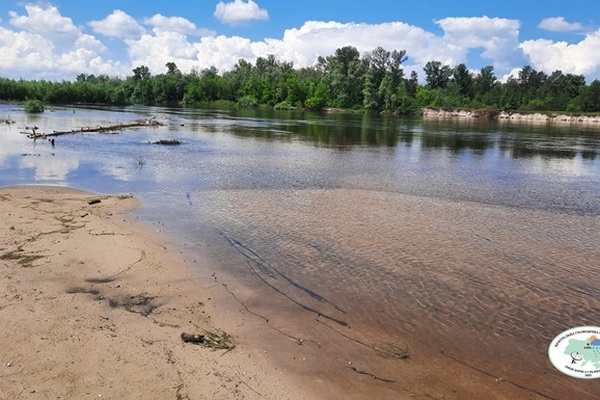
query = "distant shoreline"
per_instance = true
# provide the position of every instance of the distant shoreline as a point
(501, 116)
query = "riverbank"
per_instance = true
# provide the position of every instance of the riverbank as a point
(495, 115)
(93, 306)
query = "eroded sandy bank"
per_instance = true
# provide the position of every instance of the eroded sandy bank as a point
(512, 116)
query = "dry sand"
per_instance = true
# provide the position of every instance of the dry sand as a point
(93, 306)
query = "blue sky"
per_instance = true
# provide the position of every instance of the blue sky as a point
(58, 39)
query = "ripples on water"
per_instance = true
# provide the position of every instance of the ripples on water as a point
(461, 236)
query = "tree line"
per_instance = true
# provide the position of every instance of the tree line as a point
(374, 81)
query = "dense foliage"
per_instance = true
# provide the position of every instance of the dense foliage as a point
(374, 81)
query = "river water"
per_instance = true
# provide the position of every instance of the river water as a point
(465, 245)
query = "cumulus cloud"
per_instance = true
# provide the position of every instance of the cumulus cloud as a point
(119, 25)
(156, 50)
(498, 37)
(47, 45)
(579, 58)
(317, 38)
(239, 12)
(43, 20)
(17, 46)
(177, 24)
(559, 24)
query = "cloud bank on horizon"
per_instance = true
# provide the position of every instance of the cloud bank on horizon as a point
(38, 42)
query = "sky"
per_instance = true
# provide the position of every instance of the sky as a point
(60, 39)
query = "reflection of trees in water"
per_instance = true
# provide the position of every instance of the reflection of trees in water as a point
(517, 141)
(550, 145)
(456, 142)
(344, 130)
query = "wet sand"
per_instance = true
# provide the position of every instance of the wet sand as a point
(93, 306)
(472, 293)
(438, 299)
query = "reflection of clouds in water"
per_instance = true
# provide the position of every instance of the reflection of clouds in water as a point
(573, 167)
(121, 172)
(50, 168)
(12, 142)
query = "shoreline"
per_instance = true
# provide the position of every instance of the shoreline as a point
(94, 304)
(510, 116)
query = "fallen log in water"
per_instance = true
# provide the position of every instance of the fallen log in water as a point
(95, 129)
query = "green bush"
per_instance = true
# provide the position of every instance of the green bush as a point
(247, 102)
(407, 106)
(34, 106)
(315, 103)
(285, 105)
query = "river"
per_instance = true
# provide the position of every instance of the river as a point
(400, 252)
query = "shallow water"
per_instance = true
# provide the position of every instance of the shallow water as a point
(460, 237)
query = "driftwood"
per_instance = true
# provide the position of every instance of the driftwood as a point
(167, 142)
(94, 129)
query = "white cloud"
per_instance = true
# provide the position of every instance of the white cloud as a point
(316, 38)
(119, 25)
(580, 58)
(499, 37)
(239, 12)
(47, 45)
(90, 42)
(22, 50)
(514, 73)
(156, 50)
(176, 24)
(559, 24)
(43, 20)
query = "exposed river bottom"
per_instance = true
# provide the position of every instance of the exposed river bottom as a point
(373, 294)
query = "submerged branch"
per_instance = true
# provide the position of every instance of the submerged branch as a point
(95, 129)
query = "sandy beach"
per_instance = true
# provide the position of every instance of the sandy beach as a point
(93, 306)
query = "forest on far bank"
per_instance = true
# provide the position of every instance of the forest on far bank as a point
(374, 81)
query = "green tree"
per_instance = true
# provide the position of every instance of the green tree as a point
(463, 80)
(590, 99)
(412, 84)
(485, 88)
(530, 81)
(344, 73)
(383, 78)
(142, 92)
(437, 75)
(318, 99)
(559, 90)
